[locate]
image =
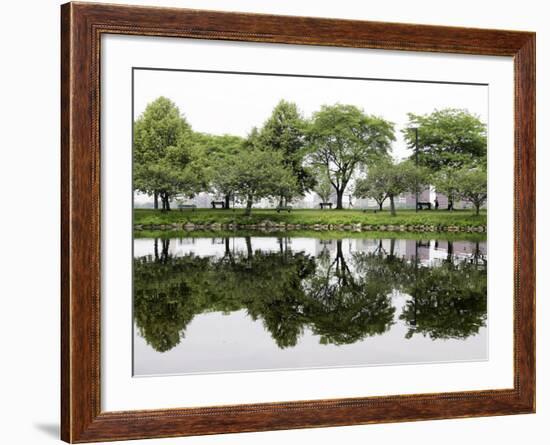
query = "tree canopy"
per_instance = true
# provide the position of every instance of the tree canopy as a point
(343, 137)
(162, 152)
(447, 138)
(374, 186)
(388, 180)
(473, 186)
(213, 154)
(285, 132)
(289, 156)
(253, 174)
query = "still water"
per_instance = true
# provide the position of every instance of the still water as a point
(242, 303)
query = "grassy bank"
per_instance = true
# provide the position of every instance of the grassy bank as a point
(442, 218)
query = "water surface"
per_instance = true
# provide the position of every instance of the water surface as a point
(240, 303)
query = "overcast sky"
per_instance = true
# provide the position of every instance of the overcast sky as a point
(234, 103)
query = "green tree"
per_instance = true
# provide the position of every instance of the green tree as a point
(374, 185)
(160, 130)
(446, 181)
(284, 132)
(473, 186)
(447, 138)
(391, 180)
(323, 188)
(254, 174)
(342, 137)
(213, 155)
(172, 175)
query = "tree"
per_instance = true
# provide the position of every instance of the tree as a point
(374, 185)
(446, 182)
(473, 186)
(389, 180)
(401, 178)
(284, 132)
(447, 138)
(213, 155)
(323, 188)
(254, 174)
(342, 137)
(160, 128)
(173, 174)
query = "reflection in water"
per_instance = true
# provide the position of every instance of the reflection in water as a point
(340, 291)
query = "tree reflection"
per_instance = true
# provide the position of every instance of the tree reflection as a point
(341, 298)
(449, 301)
(346, 307)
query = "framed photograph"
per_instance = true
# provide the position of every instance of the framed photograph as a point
(274, 222)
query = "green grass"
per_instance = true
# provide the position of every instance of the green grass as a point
(323, 235)
(459, 218)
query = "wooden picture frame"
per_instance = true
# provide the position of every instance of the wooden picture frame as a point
(82, 25)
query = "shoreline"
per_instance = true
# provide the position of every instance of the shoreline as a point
(270, 226)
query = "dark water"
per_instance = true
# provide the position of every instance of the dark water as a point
(220, 304)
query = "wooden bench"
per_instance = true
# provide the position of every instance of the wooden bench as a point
(422, 205)
(187, 206)
(287, 208)
(218, 203)
(325, 204)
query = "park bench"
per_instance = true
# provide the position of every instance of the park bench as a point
(325, 204)
(283, 208)
(422, 205)
(218, 203)
(187, 206)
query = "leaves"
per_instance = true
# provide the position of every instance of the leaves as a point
(473, 186)
(162, 151)
(342, 137)
(285, 132)
(388, 180)
(448, 138)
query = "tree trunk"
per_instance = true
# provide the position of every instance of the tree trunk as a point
(226, 199)
(249, 252)
(339, 196)
(477, 208)
(248, 210)
(380, 205)
(165, 198)
(450, 251)
(165, 250)
(156, 200)
(339, 258)
(392, 205)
